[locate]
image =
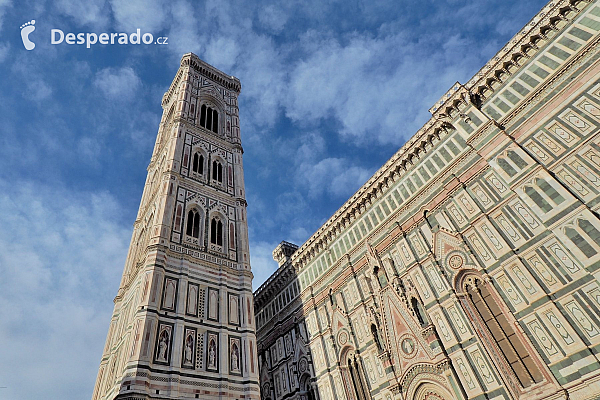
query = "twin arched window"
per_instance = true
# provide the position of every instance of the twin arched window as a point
(545, 196)
(209, 118)
(216, 232)
(217, 171)
(193, 224)
(580, 237)
(192, 228)
(198, 163)
(511, 161)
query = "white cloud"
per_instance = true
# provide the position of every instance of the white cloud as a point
(4, 50)
(117, 84)
(261, 261)
(65, 253)
(273, 18)
(90, 12)
(147, 15)
(4, 4)
(335, 176)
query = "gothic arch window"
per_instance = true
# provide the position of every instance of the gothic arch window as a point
(537, 198)
(216, 231)
(506, 167)
(198, 163)
(419, 312)
(585, 236)
(549, 191)
(376, 337)
(589, 230)
(193, 224)
(356, 376)
(510, 162)
(217, 171)
(381, 275)
(516, 159)
(178, 216)
(502, 332)
(209, 118)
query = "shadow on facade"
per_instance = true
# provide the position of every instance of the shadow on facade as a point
(285, 360)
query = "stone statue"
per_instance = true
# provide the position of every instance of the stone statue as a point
(163, 345)
(212, 354)
(189, 349)
(235, 358)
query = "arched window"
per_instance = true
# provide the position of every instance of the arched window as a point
(376, 337)
(549, 191)
(538, 199)
(514, 157)
(217, 171)
(215, 121)
(358, 382)
(503, 333)
(580, 242)
(193, 224)
(178, 215)
(589, 230)
(203, 116)
(216, 232)
(506, 167)
(381, 276)
(419, 312)
(209, 118)
(198, 163)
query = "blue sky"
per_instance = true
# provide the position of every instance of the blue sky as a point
(330, 90)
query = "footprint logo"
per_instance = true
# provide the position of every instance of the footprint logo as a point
(26, 29)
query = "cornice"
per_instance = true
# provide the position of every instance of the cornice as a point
(277, 281)
(510, 58)
(190, 60)
(523, 46)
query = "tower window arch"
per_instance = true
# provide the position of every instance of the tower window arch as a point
(216, 231)
(217, 171)
(209, 118)
(193, 224)
(198, 163)
(511, 346)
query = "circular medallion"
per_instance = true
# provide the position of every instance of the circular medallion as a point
(407, 346)
(456, 261)
(343, 338)
(302, 365)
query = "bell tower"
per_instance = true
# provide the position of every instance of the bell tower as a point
(183, 324)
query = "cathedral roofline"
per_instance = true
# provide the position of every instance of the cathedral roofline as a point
(481, 86)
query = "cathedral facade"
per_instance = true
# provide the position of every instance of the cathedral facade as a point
(468, 266)
(183, 321)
